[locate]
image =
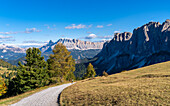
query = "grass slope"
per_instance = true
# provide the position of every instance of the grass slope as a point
(144, 86)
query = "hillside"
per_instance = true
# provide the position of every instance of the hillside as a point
(149, 85)
(4, 64)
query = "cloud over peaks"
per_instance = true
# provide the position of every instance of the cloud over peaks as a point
(91, 36)
(116, 31)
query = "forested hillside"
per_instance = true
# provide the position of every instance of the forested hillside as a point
(7, 65)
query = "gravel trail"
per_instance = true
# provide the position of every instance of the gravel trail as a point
(47, 97)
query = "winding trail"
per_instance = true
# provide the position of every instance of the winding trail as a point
(47, 97)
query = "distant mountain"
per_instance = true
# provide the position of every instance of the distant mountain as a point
(72, 44)
(11, 52)
(79, 50)
(147, 45)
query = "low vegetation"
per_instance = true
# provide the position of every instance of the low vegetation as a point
(144, 86)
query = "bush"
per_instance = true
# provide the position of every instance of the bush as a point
(105, 73)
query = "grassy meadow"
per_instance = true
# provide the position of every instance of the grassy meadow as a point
(144, 86)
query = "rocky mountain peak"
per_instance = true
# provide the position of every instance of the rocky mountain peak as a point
(147, 45)
(168, 21)
(51, 42)
(122, 36)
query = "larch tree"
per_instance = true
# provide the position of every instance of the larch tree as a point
(90, 71)
(61, 63)
(3, 88)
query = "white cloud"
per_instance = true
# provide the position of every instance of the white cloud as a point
(7, 33)
(30, 30)
(99, 26)
(33, 41)
(109, 24)
(5, 37)
(116, 31)
(74, 26)
(91, 36)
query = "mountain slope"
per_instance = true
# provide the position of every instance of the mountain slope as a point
(143, 86)
(147, 45)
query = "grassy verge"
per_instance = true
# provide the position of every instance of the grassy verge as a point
(144, 86)
(14, 99)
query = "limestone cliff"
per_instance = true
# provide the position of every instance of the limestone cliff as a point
(149, 44)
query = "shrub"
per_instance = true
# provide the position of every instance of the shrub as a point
(105, 73)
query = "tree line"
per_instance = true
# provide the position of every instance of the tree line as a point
(37, 72)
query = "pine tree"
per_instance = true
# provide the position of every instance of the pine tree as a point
(34, 73)
(2, 87)
(90, 71)
(61, 62)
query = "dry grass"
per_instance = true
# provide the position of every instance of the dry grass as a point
(145, 86)
(3, 69)
(14, 99)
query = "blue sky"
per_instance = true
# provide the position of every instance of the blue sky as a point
(34, 22)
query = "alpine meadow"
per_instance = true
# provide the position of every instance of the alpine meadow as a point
(84, 53)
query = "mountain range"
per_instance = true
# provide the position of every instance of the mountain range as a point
(79, 50)
(149, 44)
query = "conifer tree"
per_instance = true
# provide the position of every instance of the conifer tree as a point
(61, 62)
(34, 73)
(90, 71)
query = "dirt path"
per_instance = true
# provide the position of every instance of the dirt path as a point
(47, 97)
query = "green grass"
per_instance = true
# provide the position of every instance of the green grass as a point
(14, 99)
(144, 86)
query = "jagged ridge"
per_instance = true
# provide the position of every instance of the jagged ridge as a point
(147, 45)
